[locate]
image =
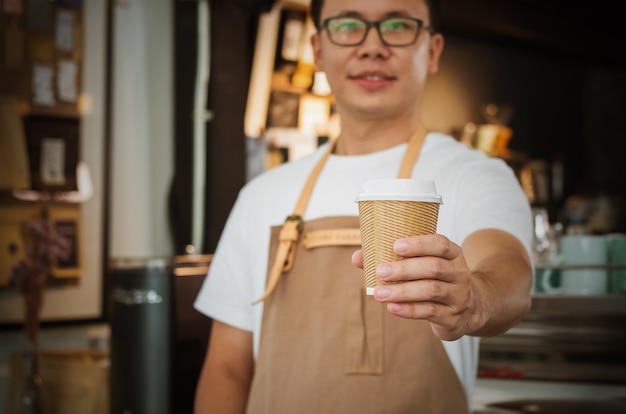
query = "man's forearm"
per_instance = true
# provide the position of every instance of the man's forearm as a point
(501, 285)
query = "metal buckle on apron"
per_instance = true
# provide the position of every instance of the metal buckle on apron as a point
(298, 218)
(287, 235)
(287, 239)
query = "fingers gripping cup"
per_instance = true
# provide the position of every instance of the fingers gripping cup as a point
(391, 209)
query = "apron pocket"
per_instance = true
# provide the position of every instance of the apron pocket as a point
(364, 334)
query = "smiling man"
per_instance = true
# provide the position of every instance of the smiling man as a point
(315, 343)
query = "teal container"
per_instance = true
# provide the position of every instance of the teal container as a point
(617, 256)
(540, 273)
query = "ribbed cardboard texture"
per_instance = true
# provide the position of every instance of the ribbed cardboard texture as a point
(383, 222)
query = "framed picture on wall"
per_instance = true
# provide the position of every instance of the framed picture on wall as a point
(66, 223)
(53, 149)
(290, 36)
(56, 139)
(11, 242)
(283, 109)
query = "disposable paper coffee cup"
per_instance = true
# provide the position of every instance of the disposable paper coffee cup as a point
(391, 209)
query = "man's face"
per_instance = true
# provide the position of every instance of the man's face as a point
(373, 79)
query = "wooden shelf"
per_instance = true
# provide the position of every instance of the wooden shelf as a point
(578, 305)
(50, 198)
(606, 266)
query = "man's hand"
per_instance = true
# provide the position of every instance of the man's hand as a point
(480, 289)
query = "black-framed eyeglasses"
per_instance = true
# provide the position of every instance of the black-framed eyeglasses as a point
(393, 31)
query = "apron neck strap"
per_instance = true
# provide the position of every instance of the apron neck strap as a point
(406, 167)
(412, 152)
(303, 201)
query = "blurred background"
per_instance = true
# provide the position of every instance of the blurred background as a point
(127, 128)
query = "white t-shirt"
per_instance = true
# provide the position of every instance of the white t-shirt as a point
(478, 192)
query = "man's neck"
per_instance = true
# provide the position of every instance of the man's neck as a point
(361, 136)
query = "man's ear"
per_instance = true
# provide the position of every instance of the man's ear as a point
(434, 52)
(315, 44)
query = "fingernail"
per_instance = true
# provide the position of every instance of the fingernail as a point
(394, 307)
(382, 292)
(383, 271)
(401, 246)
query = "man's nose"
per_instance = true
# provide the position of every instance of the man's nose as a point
(372, 44)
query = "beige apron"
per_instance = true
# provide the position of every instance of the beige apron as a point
(325, 346)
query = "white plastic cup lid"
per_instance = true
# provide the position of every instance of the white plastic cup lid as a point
(399, 189)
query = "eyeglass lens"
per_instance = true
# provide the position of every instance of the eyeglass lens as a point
(396, 31)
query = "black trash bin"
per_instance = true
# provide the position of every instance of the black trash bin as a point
(141, 340)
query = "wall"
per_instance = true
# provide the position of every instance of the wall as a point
(86, 299)
(83, 300)
(544, 91)
(605, 109)
(566, 109)
(141, 160)
(142, 129)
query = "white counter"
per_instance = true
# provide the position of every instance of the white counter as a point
(493, 390)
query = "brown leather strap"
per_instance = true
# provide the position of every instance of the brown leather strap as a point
(332, 237)
(292, 228)
(289, 234)
(412, 152)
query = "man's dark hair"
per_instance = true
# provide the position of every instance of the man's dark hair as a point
(434, 9)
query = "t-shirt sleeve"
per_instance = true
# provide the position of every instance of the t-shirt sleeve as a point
(226, 294)
(492, 198)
